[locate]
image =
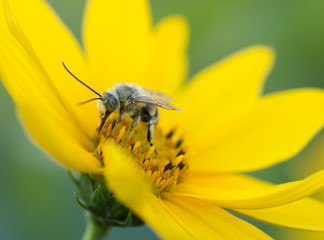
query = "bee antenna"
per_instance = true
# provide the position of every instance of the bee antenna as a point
(92, 99)
(81, 81)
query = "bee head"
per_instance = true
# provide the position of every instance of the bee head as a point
(110, 102)
(106, 106)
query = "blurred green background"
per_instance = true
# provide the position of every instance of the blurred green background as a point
(36, 199)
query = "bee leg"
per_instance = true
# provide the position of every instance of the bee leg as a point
(150, 132)
(131, 130)
(121, 116)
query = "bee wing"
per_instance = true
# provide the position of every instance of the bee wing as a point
(156, 102)
(156, 94)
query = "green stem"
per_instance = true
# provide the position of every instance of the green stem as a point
(94, 231)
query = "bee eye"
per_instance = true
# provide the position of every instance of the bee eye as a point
(111, 103)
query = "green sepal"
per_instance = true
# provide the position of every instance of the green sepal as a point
(93, 195)
(128, 221)
(79, 201)
(98, 200)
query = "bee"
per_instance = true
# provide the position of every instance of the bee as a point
(130, 100)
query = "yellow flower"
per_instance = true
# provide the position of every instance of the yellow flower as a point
(182, 184)
(312, 160)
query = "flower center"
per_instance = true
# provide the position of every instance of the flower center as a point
(164, 162)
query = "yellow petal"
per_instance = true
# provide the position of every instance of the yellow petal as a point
(122, 177)
(207, 221)
(58, 142)
(3, 24)
(53, 43)
(29, 85)
(305, 214)
(274, 129)
(44, 113)
(133, 191)
(221, 88)
(117, 36)
(216, 189)
(168, 67)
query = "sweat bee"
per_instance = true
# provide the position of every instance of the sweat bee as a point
(130, 100)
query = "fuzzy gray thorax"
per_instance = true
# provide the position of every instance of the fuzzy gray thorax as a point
(125, 93)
